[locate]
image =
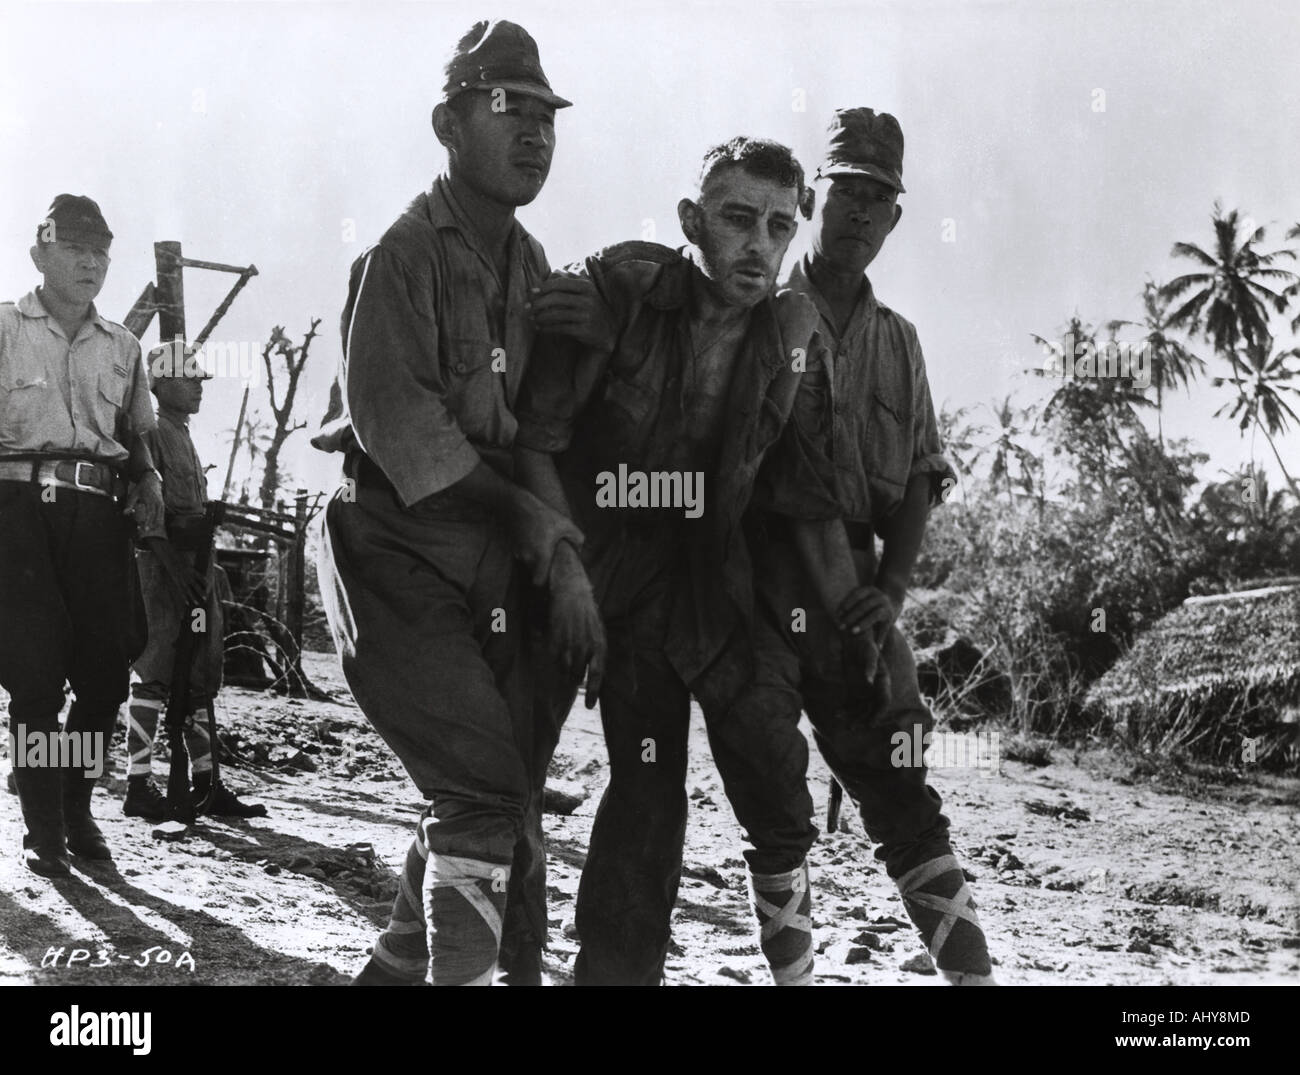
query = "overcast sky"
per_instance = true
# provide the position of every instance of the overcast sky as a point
(290, 135)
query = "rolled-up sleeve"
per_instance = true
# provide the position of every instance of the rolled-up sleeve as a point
(394, 381)
(927, 448)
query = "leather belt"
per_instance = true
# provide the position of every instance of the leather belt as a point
(84, 475)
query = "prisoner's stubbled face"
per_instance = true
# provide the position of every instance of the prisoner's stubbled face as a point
(741, 226)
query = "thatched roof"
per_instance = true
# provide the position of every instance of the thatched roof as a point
(1217, 666)
(1247, 639)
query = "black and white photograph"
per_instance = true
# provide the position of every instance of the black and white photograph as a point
(717, 494)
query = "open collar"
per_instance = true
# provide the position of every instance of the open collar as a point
(864, 308)
(446, 212)
(30, 305)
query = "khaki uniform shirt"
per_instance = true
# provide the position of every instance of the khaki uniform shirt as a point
(185, 489)
(86, 397)
(435, 344)
(876, 404)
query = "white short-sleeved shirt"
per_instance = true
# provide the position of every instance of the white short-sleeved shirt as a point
(84, 397)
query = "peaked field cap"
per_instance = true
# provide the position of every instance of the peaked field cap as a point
(76, 218)
(497, 54)
(860, 142)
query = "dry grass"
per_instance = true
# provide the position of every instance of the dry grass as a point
(1218, 678)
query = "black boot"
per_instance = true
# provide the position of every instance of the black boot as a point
(224, 802)
(41, 797)
(84, 838)
(144, 800)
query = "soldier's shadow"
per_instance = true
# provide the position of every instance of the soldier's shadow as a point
(253, 844)
(404, 813)
(130, 952)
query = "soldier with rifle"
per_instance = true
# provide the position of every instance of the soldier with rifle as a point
(180, 668)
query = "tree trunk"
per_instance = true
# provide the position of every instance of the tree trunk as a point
(1285, 473)
(271, 469)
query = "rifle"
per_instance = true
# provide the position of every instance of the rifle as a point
(833, 801)
(178, 698)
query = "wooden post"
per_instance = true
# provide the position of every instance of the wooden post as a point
(234, 448)
(169, 291)
(141, 314)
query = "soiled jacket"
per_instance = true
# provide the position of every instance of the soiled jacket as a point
(435, 345)
(595, 411)
(876, 402)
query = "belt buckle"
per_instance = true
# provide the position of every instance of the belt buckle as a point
(76, 476)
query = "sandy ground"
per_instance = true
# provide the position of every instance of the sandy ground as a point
(1084, 871)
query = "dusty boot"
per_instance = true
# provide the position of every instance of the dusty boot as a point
(84, 838)
(783, 903)
(144, 800)
(224, 802)
(40, 794)
(938, 901)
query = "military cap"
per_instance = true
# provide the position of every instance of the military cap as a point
(75, 218)
(174, 360)
(859, 142)
(501, 55)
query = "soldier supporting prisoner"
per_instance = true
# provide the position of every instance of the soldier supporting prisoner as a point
(816, 581)
(419, 543)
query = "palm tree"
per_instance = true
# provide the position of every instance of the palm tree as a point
(1006, 447)
(1262, 380)
(1172, 364)
(1294, 289)
(1230, 302)
(1088, 414)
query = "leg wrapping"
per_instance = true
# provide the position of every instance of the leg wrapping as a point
(938, 901)
(141, 727)
(403, 948)
(197, 742)
(783, 903)
(464, 900)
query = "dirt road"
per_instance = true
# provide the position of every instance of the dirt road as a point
(1083, 872)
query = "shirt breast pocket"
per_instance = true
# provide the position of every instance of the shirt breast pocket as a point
(24, 397)
(469, 356)
(890, 439)
(468, 363)
(109, 397)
